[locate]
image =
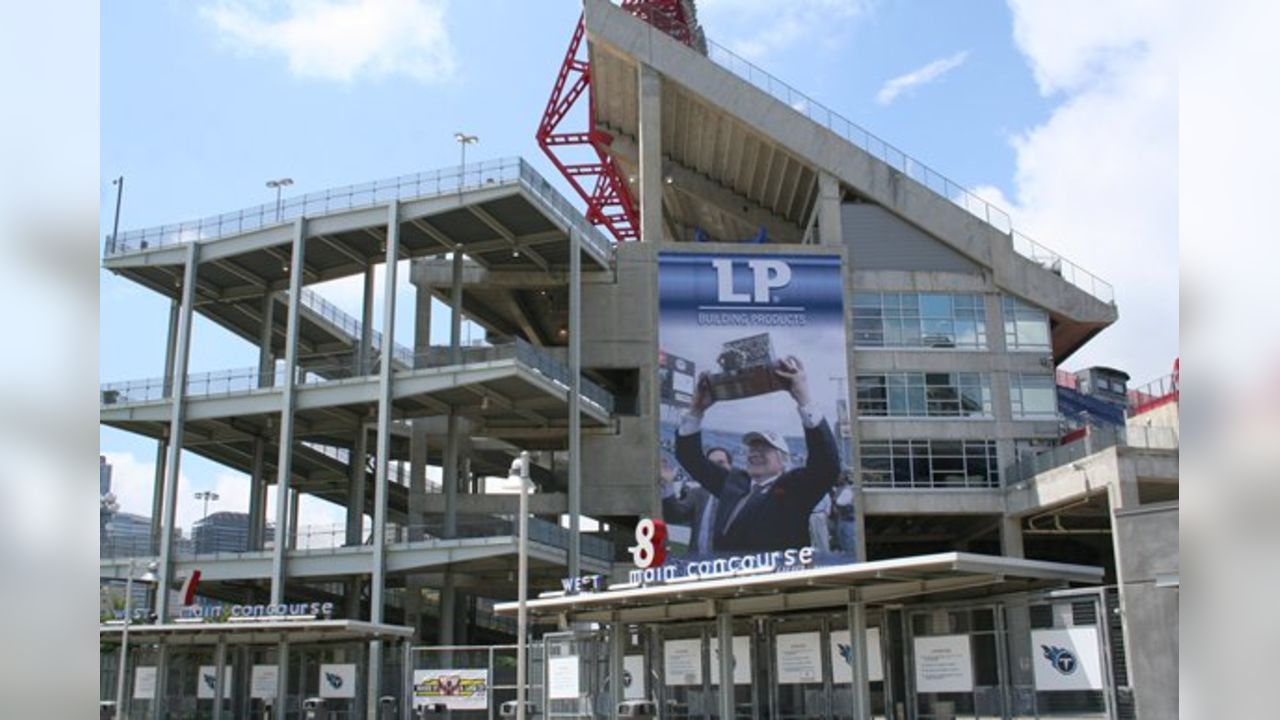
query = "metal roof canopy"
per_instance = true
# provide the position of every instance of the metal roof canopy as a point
(875, 582)
(199, 633)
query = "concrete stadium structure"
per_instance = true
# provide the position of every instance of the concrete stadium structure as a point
(973, 519)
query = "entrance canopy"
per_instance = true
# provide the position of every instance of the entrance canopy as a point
(945, 575)
(271, 631)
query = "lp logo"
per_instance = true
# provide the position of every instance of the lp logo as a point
(766, 275)
(651, 543)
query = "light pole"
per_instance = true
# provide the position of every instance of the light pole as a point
(149, 576)
(463, 141)
(206, 496)
(115, 226)
(520, 473)
(279, 185)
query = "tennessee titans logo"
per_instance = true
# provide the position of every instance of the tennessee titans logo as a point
(334, 680)
(210, 680)
(1062, 659)
(846, 652)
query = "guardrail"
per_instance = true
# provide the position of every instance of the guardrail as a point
(333, 538)
(1096, 439)
(1152, 395)
(344, 366)
(405, 187)
(911, 167)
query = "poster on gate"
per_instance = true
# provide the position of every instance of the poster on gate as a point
(144, 682)
(456, 689)
(842, 657)
(207, 680)
(338, 681)
(563, 681)
(682, 661)
(943, 664)
(799, 658)
(633, 679)
(1066, 659)
(741, 649)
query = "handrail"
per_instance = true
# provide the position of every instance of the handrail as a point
(1095, 439)
(1158, 392)
(912, 168)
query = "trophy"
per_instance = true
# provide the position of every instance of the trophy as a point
(747, 368)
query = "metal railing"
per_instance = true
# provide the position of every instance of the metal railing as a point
(433, 183)
(348, 324)
(912, 168)
(344, 366)
(1153, 394)
(1096, 439)
(333, 538)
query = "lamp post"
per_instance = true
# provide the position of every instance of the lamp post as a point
(463, 141)
(520, 472)
(279, 185)
(115, 226)
(206, 496)
(149, 576)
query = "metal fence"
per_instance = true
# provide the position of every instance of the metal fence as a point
(1096, 439)
(1153, 394)
(496, 662)
(911, 167)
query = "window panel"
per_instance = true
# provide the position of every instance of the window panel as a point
(935, 320)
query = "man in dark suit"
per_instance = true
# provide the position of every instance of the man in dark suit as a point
(691, 504)
(766, 506)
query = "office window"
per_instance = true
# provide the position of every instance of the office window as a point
(1026, 327)
(930, 464)
(915, 320)
(917, 394)
(1033, 395)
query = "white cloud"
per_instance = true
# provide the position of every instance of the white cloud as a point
(343, 39)
(1098, 180)
(757, 29)
(920, 76)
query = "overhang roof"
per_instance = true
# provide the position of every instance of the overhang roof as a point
(873, 582)
(199, 633)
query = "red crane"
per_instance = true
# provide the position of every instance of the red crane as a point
(599, 182)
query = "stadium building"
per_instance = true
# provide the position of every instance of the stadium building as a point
(752, 272)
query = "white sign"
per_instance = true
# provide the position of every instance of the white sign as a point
(943, 664)
(1066, 659)
(262, 682)
(633, 678)
(682, 661)
(207, 679)
(842, 657)
(799, 658)
(562, 678)
(459, 689)
(741, 650)
(144, 682)
(338, 681)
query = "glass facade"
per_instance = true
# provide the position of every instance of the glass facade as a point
(1026, 327)
(930, 463)
(919, 394)
(1033, 395)
(919, 320)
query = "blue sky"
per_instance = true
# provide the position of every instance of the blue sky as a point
(1068, 122)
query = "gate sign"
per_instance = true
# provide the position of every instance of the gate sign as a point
(144, 682)
(207, 679)
(1066, 659)
(633, 679)
(563, 681)
(338, 681)
(456, 689)
(943, 664)
(842, 656)
(263, 681)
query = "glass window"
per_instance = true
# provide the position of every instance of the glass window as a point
(1026, 327)
(912, 320)
(1033, 395)
(914, 394)
(929, 464)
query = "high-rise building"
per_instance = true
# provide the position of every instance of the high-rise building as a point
(224, 532)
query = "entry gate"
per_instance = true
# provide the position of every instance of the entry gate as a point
(496, 663)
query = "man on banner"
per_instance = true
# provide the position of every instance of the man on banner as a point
(765, 507)
(692, 504)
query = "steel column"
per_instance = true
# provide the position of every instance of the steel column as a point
(162, 446)
(284, 460)
(617, 665)
(575, 409)
(724, 636)
(382, 451)
(258, 495)
(858, 645)
(282, 673)
(219, 664)
(177, 419)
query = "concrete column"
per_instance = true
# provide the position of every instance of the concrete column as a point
(455, 310)
(858, 641)
(448, 590)
(355, 487)
(294, 496)
(364, 353)
(575, 409)
(219, 676)
(377, 591)
(282, 665)
(266, 358)
(258, 495)
(284, 458)
(724, 636)
(1011, 537)
(160, 706)
(162, 447)
(651, 183)
(830, 228)
(450, 475)
(448, 608)
(177, 418)
(354, 590)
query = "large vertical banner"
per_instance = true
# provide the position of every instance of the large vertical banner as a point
(753, 364)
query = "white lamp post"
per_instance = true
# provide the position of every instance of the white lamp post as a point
(464, 140)
(520, 474)
(279, 185)
(149, 576)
